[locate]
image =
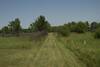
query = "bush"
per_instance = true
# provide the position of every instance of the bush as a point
(81, 27)
(64, 31)
(97, 33)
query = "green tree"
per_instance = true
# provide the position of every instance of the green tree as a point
(81, 27)
(41, 24)
(54, 28)
(98, 25)
(97, 33)
(63, 30)
(93, 26)
(0, 31)
(72, 26)
(5, 30)
(15, 26)
(26, 30)
(88, 25)
(11, 26)
(32, 27)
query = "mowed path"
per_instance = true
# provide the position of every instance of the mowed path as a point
(53, 54)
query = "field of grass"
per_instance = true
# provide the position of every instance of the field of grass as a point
(85, 47)
(77, 50)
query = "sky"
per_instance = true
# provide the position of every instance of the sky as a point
(57, 12)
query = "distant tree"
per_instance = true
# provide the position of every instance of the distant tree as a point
(97, 33)
(81, 27)
(15, 26)
(11, 26)
(98, 25)
(5, 30)
(72, 26)
(93, 26)
(26, 30)
(41, 24)
(0, 31)
(32, 27)
(54, 28)
(73, 22)
(63, 30)
(88, 25)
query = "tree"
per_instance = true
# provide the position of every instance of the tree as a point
(63, 30)
(88, 25)
(11, 26)
(97, 33)
(26, 30)
(0, 31)
(81, 27)
(15, 26)
(41, 24)
(32, 27)
(93, 26)
(5, 30)
(98, 25)
(54, 28)
(72, 26)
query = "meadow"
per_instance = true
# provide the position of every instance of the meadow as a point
(85, 47)
(77, 50)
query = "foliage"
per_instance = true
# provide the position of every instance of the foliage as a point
(98, 25)
(77, 50)
(97, 33)
(72, 26)
(0, 31)
(88, 25)
(85, 47)
(54, 28)
(81, 27)
(41, 24)
(5, 30)
(26, 30)
(32, 27)
(15, 26)
(93, 26)
(63, 30)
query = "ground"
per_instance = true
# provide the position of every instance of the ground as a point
(50, 51)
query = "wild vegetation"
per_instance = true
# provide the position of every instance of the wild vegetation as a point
(74, 44)
(77, 50)
(41, 24)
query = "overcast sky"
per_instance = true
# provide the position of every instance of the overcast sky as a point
(56, 11)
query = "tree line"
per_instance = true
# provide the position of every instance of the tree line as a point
(41, 24)
(14, 27)
(78, 27)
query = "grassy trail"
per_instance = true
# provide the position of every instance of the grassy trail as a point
(53, 54)
(50, 51)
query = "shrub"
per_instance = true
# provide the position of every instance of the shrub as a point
(81, 27)
(97, 33)
(64, 31)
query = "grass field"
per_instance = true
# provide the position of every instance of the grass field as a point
(77, 50)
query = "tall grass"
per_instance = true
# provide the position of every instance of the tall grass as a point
(85, 47)
(18, 51)
(25, 40)
(21, 51)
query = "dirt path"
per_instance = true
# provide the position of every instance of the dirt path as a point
(54, 54)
